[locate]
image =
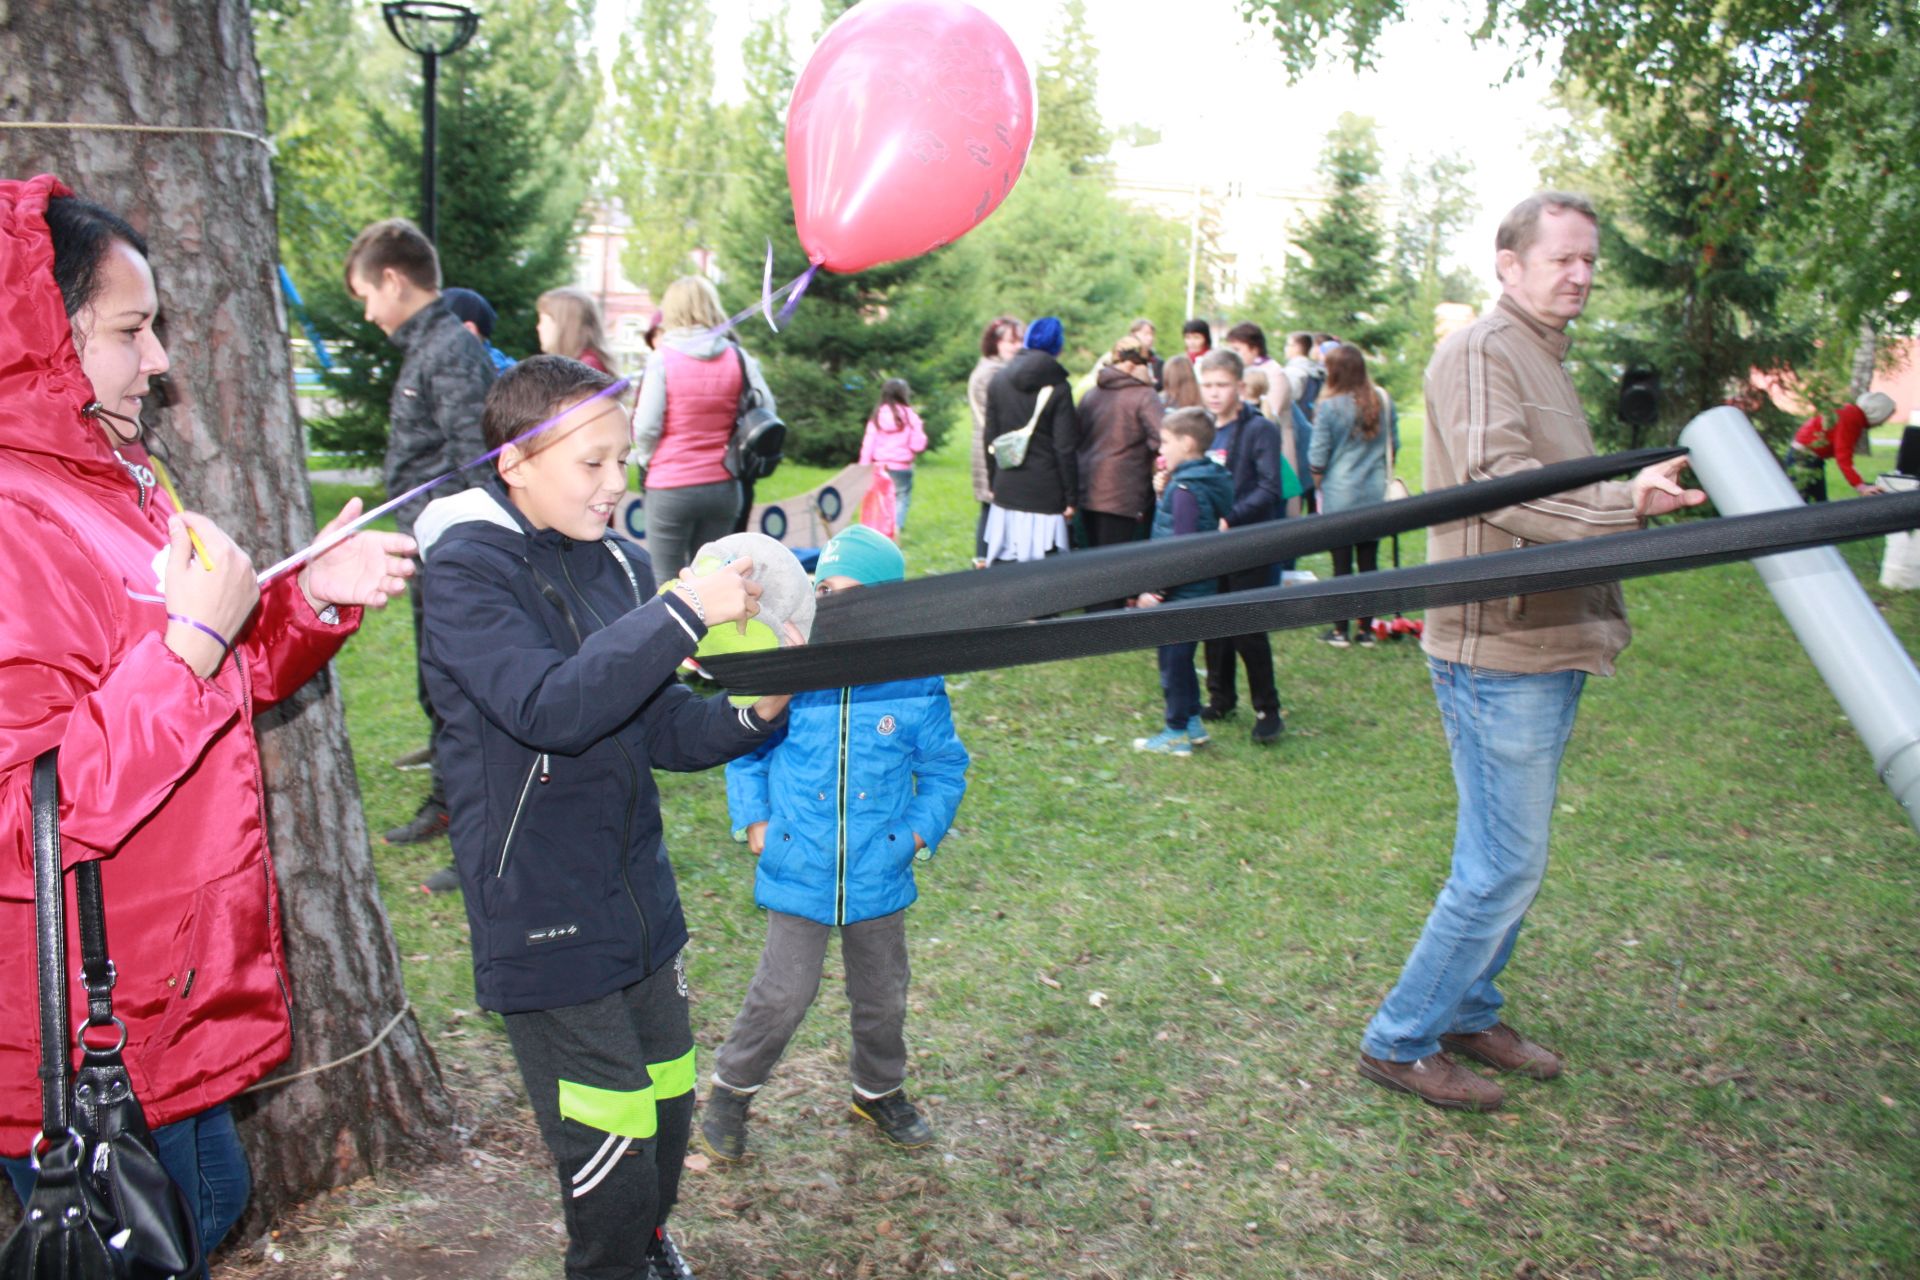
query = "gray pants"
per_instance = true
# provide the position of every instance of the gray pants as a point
(783, 988)
(681, 521)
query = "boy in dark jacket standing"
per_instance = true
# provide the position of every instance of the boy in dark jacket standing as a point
(839, 806)
(1248, 446)
(552, 663)
(1196, 495)
(434, 427)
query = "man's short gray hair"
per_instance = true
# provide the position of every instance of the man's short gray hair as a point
(1520, 228)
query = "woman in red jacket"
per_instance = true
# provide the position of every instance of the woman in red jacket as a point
(145, 665)
(1817, 440)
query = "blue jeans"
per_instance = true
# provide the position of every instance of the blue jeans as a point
(1507, 733)
(203, 1155)
(1179, 682)
(902, 495)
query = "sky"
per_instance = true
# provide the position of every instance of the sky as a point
(1216, 90)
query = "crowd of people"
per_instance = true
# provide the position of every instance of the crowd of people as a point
(1096, 472)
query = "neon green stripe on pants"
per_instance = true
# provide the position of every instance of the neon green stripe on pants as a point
(628, 1113)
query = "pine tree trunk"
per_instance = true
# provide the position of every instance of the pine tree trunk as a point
(230, 431)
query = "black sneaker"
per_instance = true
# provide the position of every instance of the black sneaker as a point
(1267, 729)
(429, 823)
(1367, 640)
(1335, 637)
(1211, 712)
(445, 880)
(723, 1123)
(664, 1260)
(896, 1118)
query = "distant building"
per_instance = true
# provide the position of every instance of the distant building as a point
(626, 306)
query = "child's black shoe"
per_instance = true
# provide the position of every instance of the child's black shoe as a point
(897, 1119)
(723, 1123)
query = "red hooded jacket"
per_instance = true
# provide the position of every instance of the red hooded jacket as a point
(159, 769)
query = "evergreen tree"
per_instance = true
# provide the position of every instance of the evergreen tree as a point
(1067, 91)
(1340, 285)
(515, 106)
(1436, 203)
(669, 140)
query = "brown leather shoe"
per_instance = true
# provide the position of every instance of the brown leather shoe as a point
(1435, 1079)
(1505, 1049)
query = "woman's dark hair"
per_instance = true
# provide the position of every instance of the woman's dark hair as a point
(995, 330)
(537, 388)
(82, 234)
(1347, 376)
(896, 391)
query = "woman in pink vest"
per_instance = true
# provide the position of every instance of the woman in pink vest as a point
(688, 403)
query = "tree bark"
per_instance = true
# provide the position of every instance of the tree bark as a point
(1865, 352)
(230, 431)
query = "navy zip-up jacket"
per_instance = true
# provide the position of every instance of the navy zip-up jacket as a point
(1249, 447)
(552, 663)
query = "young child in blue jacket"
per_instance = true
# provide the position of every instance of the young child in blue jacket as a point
(552, 662)
(839, 804)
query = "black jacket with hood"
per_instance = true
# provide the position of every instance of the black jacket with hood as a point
(1050, 477)
(552, 662)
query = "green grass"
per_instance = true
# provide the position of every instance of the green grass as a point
(1724, 950)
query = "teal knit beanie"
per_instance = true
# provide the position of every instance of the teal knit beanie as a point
(860, 553)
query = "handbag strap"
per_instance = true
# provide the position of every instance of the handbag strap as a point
(50, 935)
(97, 973)
(1039, 407)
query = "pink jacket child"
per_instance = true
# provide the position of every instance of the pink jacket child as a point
(895, 436)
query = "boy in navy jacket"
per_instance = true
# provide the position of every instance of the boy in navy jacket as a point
(838, 806)
(552, 663)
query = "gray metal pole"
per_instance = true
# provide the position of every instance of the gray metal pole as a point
(429, 145)
(1851, 645)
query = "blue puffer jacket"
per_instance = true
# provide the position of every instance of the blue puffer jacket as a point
(844, 787)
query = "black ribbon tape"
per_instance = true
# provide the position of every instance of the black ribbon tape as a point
(1691, 544)
(1016, 592)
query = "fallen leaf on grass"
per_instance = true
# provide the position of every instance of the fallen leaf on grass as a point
(1097, 999)
(1045, 981)
(698, 1163)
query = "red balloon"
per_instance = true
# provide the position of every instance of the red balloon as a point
(908, 126)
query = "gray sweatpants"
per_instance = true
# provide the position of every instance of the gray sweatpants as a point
(783, 988)
(681, 521)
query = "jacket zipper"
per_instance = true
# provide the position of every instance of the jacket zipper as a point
(840, 870)
(526, 788)
(633, 773)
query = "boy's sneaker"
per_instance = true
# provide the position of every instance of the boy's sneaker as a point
(897, 1119)
(1336, 637)
(664, 1260)
(1267, 729)
(1211, 712)
(723, 1123)
(1197, 735)
(1167, 742)
(1367, 640)
(445, 880)
(430, 822)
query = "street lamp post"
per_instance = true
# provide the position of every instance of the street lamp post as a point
(433, 29)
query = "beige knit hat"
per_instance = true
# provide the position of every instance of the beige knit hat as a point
(1877, 405)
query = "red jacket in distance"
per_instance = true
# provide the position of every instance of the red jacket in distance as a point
(1838, 443)
(159, 769)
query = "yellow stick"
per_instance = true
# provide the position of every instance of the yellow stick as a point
(166, 482)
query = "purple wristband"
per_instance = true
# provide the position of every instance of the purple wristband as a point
(184, 620)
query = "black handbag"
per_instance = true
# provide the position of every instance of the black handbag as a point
(103, 1207)
(759, 437)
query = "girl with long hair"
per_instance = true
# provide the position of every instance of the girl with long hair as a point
(1355, 430)
(895, 437)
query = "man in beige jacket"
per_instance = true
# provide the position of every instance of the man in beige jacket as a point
(1507, 673)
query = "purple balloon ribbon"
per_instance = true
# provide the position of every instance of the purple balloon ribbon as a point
(321, 546)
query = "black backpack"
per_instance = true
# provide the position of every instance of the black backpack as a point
(759, 437)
